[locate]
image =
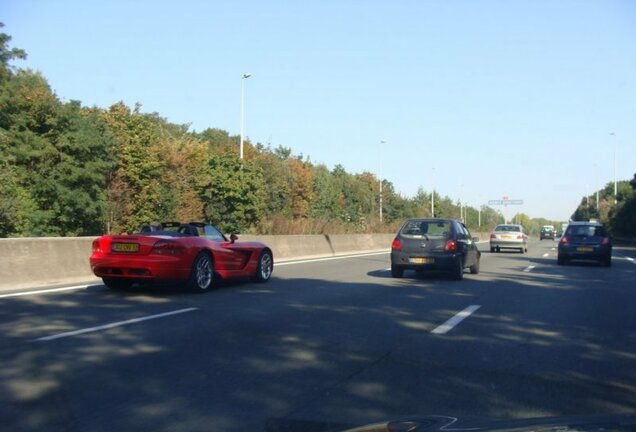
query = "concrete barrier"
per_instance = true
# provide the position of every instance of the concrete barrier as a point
(32, 262)
(294, 246)
(38, 262)
(348, 243)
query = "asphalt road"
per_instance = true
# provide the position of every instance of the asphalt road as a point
(325, 343)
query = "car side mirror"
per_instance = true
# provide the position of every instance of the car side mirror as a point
(233, 237)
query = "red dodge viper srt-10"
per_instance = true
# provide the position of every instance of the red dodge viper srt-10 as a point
(165, 252)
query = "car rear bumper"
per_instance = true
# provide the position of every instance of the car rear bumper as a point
(432, 261)
(147, 268)
(574, 252)
(507, 244)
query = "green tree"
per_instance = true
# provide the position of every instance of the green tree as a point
(234, 199)
(134, 190)
(7, 55)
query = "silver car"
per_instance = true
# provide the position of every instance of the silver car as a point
(508, 236)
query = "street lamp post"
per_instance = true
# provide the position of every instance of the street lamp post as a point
(433, 194)
(381, 217)
(245, 76)
(615, 184)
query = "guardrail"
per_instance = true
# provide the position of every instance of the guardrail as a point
(35, 262)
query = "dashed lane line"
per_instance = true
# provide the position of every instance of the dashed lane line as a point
(112, 325)
(455, 320)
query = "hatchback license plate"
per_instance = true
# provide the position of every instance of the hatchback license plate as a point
(584, 249)
(125, 247)
(421, 260)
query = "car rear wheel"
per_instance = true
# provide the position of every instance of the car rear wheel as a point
(560, 260)
(474, 269)
(264, 267)
(607, 262)
(458, 272)
(397, 272)
(492, 249)
(117, 283)
(202, 274)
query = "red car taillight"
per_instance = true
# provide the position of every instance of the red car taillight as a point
(520, 237)
(450, 246)
(167, 247)
(605, 241)
(565, 240)
(493, 236)
(96, 248)
(396, 245)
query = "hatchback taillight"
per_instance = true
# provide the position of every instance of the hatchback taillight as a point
(396, 245)
(167, 247)
(450, 246)
(96, 247)
(565, 240)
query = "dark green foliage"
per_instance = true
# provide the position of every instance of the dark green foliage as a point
(234, 198)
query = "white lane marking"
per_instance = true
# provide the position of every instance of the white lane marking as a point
(459, 317)
(46, 291)
(329, 258)
(528, 269)
(546, 254)
(112, 325)
(630, 259)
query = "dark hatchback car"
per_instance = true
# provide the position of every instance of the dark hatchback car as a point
(547, 232)
(434, 244)
(585, 241)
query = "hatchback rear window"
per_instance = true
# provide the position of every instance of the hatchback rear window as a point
(586, 231)
(427, 229)
(511, 228)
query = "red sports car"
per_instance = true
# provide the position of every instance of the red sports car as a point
(171, 251)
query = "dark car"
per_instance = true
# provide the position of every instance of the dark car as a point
(434, 244)
(547, 232)
(585, 241)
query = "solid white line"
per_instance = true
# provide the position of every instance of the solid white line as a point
(46, 291)
(112, 325)
(448, 325)
(528, 269)
(303, 261)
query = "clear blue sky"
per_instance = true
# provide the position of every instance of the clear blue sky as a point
(480, 98)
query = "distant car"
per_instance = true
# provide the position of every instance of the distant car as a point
(434, 244)
(193, 253)
(585, 241)
(508, 236)
(547, 232)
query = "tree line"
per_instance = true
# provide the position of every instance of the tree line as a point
(71, 170)
(617, 212)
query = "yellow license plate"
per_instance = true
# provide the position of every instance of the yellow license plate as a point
(420, 260)
(584, 249)
(508, 237)
(125, 247)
